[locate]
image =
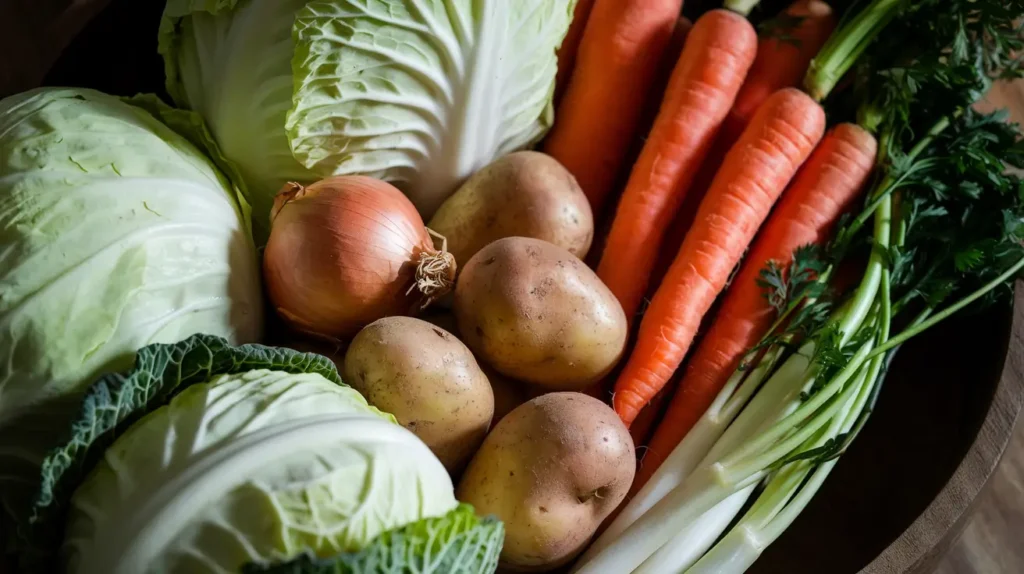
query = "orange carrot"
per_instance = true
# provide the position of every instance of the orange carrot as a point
(602, 389)
(668, 65)
(823, 189)
(616, 65)
(780, 63)
(650, 107)
(778, 140)
(719, 51)
(652, 414)
(570, 45)
(649, 418)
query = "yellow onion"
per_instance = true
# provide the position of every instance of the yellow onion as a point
(346, 251)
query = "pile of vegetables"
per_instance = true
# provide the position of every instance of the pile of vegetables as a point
(405, 285)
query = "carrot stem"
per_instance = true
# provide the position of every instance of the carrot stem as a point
(847, 45)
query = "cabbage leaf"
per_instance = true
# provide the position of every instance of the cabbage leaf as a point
(457, 543)
(230, 61)
(117, 232)
(421, 93)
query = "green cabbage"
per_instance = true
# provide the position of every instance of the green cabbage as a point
(116, 232)
(421, 93)
(206, 457)
(456, 543)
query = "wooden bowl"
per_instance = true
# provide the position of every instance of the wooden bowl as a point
(895, 501)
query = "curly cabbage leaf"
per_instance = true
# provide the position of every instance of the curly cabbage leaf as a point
(117, 232)
(421, 93)
(456, 543)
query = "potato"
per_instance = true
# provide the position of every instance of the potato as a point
(508, 393)
(552, 470)
(428, 379)
(536, 313)
(524, 194)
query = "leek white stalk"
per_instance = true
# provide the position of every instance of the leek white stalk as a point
(687, 455)
(692, 542)
(743, 467)
(785, 496)
(729, 421)
(741, 546)
(717, 429)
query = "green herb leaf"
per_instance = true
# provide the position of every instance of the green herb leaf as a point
(831, 450)
(785, 287)
(831, 355)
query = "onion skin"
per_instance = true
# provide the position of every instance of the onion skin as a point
(343, 252)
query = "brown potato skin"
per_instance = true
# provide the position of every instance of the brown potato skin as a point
(508, 393)
(536, 313)
(552, 470)
(522, 194)
(428, 379)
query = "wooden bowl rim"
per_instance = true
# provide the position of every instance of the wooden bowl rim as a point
(942, 521)
(925, 541)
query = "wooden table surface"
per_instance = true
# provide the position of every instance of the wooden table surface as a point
(992, 542)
